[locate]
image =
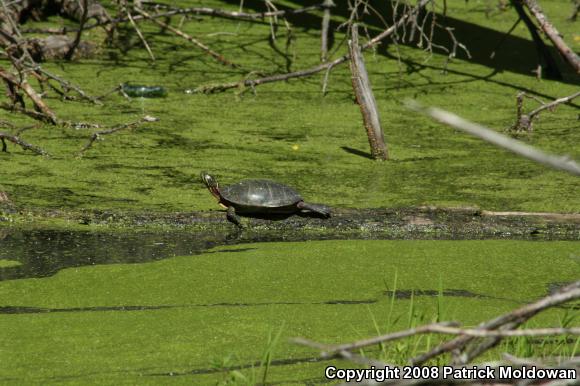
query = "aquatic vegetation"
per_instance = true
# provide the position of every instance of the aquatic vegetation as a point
(150, 308)
(155, 167)
(143, 322)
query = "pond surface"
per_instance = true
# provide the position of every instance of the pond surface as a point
(143, 308)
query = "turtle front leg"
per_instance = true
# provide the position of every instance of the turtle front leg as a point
(316, 208)
(233, 217)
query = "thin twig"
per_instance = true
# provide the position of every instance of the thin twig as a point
(504, 37)
(23, 144)
(515, 146)
(136, 28)
(220, 58)
(550, 106)
(329, 350)
(525, 122)
(85, 7)
(98, 134)
(23, 85)
(520, 315)
(316, 69)
(206, 11)
(66, 84)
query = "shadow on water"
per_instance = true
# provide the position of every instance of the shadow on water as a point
(42, 253)
(516, 54)
(42, 310)
(357, 152)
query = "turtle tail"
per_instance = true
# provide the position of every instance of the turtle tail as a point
(322, 210)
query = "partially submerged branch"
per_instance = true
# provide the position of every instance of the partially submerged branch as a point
(553, 34)
(524, 122)
(547, 64)
(327, 4)
(20, 142)
(97, 135)
(518, 147)
(220, 58)
(66, 85)
(492, 331)
(366, 99)
(139, 33)
(82, 21)
(322, 67)
(15, 84)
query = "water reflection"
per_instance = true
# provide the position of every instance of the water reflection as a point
(42, 253)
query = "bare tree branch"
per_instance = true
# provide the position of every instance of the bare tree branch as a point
(520, 148)
(524, 122)
(313, 70)
(513, 318)
(327, 4)
(136, 28)
(220, 58)
(366, 99)
(85, 11)
(553, 34)
(23, 85)
(99, 134)
(23, 144)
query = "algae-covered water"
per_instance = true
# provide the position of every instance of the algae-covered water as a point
(85, 308)
(290, 131)
(118, 306)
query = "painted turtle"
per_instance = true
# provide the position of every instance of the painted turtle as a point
(259, 196)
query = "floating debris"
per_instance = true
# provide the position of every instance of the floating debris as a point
(143, 91)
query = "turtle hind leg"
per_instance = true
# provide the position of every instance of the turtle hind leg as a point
(233, 217)
(316, 208)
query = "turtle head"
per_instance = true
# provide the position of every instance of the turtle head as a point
(211, 184)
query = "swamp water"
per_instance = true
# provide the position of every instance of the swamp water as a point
(159, 308)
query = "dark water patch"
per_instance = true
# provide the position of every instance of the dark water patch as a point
(43, 253)
(41, 310)
(172, 140)
(461, 293)
(257, 364)
(12, 310)
(368, 301)
(415, 159)
(407, 294)
(232, 250)
(116, 166)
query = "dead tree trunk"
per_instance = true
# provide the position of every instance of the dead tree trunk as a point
(547, 63)
(553, 34)
(327, 4)
(366, 99)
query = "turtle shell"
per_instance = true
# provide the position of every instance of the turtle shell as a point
(260, 194)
